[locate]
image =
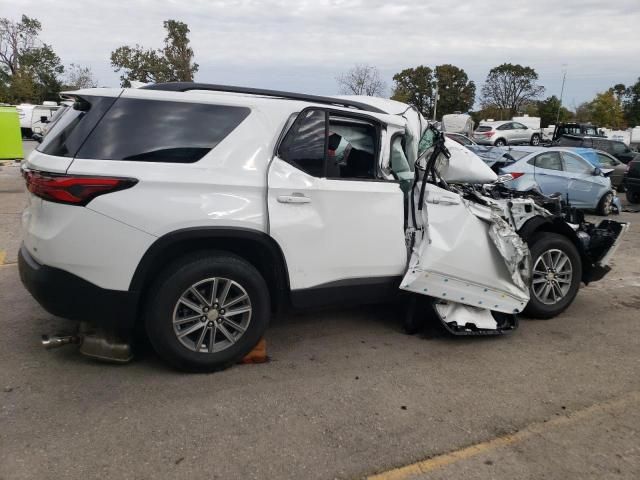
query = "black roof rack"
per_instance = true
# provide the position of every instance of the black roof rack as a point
(187, 86)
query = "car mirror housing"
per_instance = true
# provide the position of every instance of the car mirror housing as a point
(597, 171)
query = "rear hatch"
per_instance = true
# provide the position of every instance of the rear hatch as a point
(483, 131)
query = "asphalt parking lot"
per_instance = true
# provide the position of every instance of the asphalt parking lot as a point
(346, 394)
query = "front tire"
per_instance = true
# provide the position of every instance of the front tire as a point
(535, 140)
(207, 311)
(605, 203)
(633, 196)
(556, 275)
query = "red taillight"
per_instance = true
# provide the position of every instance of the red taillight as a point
(73, 189)
(489, 134)
(516, 174)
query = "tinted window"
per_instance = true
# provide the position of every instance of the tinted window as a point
(352, 148)
(549, 160)
(484, 128)
(304, 146)
(159, 131)
(575, 164)
(69, 131)
(506, 126)
(518, 125)
(619, 147)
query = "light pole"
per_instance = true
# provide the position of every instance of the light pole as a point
(564, 77)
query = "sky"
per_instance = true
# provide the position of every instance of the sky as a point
(302, 45)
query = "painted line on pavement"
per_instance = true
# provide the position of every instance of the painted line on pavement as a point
(439, 461)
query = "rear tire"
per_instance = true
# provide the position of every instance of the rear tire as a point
(501, 142)
(194, 318)
(633, 196)
(605, 203)
(548, 251)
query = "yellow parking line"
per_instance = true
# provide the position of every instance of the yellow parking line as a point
(3, 255)
(426, 466)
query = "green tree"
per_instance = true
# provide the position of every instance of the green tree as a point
(455, 91)
(631, 104)
(509, 87)
(415, 86)
(172, 63)
(548, 111)
(29, 69)
(606, 110)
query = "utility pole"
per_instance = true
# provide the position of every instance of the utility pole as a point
(435, 103)
(564, 77)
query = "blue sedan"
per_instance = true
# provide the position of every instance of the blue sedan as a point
(565, 170)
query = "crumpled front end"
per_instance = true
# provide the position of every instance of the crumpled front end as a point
(466, 253)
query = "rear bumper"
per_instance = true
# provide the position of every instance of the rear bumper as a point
(66, 295)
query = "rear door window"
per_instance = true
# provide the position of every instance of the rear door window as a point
(159, 131)
(506, 126)
(352, 148)
(305, 144)
(549, 160)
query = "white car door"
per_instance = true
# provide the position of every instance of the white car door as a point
(337, 223)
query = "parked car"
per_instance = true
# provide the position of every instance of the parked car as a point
(608, 162)
(505, 133)
(566, 171)
(140, 217)
(632, 181)
(613, 147)
(461, 139)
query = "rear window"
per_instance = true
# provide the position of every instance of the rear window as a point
(159, 131)
(70, 129)
(484, 128)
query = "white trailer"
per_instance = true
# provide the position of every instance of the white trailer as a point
(458, 123)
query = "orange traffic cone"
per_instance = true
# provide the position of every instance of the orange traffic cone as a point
(258, 354)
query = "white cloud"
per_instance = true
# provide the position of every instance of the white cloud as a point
(302, 44)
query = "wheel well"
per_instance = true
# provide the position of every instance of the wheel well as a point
(559, 226)
(257, 248)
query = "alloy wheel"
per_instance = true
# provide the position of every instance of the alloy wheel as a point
(552, 276)
(211, 315)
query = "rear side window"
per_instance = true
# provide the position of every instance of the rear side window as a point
(70, 129)
(549, 160)
(158, 131)
(484, 128)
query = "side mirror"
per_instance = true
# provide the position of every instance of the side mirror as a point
(597, 172)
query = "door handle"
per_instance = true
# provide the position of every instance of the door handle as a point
(294, 198)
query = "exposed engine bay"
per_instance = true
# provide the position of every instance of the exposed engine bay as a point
(467, 238)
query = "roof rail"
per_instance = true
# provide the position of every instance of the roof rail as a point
(187, 86)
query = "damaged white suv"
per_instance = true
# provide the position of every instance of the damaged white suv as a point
(198, 210)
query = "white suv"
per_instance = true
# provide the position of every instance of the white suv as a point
(506, 133)
(200, 209)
